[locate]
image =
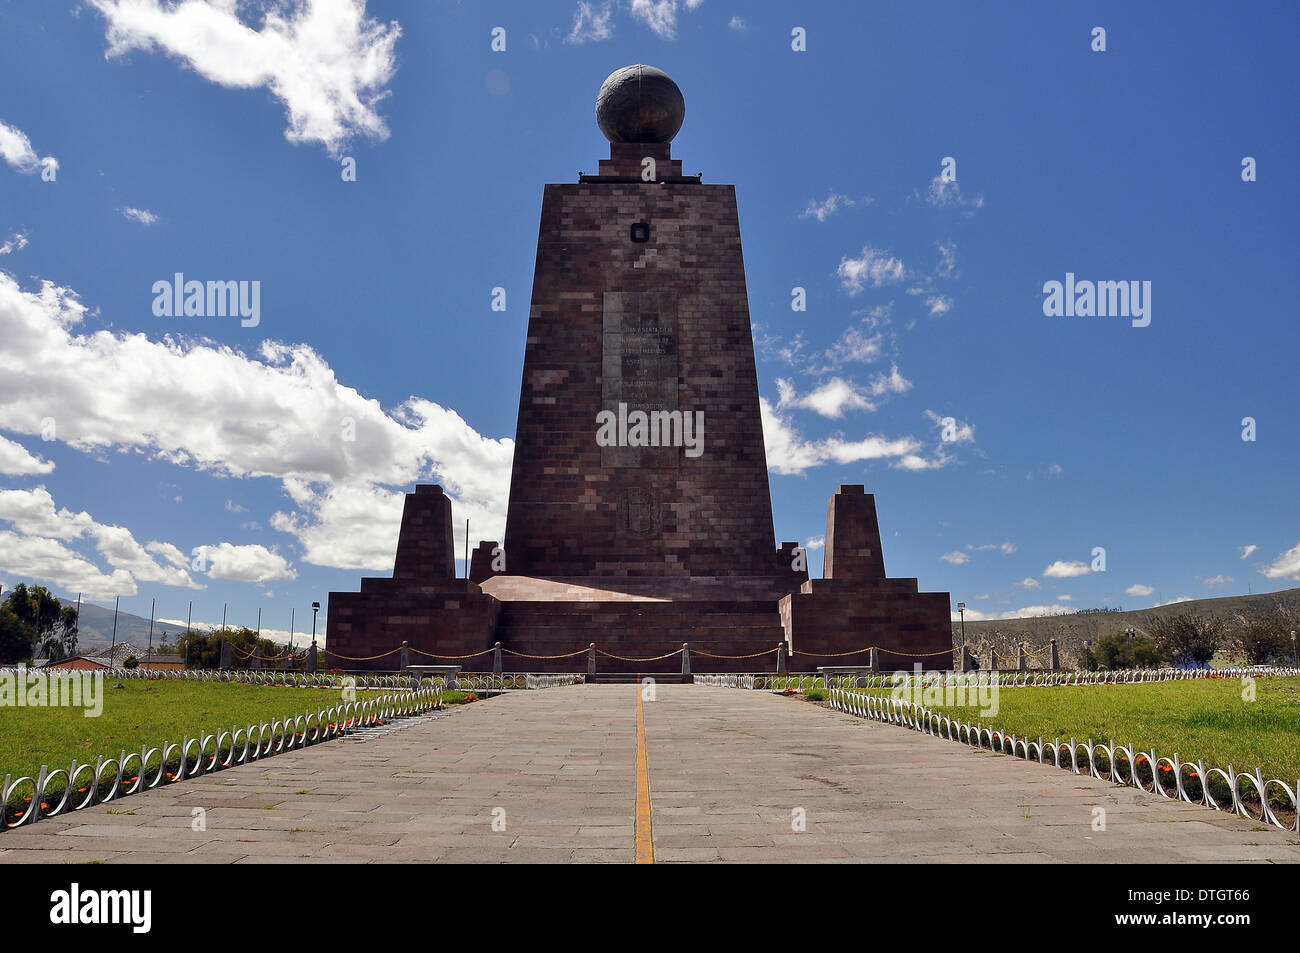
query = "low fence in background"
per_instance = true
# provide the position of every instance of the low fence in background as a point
(988, 679)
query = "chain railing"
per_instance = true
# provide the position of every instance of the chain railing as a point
(1248, 795)
(58, 791)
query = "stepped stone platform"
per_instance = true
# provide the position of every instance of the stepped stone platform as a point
(639, 540)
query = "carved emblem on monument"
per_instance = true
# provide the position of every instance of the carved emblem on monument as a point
(639, 513)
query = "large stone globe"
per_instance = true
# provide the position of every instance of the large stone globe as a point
(639, 104)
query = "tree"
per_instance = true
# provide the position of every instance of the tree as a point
(61, 641)
(1116, 650)
(1188, 641)
(1263, 639)
(49, 627)
(17, 638)
(203, 648)
(131, 662)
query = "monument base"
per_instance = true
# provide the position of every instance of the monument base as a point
(639, 623)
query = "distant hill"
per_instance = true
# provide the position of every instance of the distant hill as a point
(1070, 631)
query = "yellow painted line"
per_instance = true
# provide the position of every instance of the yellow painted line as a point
(645, 846)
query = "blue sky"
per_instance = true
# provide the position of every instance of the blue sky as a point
(262, 466)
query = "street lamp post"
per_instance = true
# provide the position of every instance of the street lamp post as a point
(315, 608)
(961, 610)
(1294, 660)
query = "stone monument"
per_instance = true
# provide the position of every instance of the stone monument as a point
(640, 515)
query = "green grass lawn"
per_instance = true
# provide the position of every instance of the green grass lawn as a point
(150, 713)
(1203, 719)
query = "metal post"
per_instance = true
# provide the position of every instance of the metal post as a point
(152, 606)
(993, 658)
(965, 658)
(782, 664)
(591, 662)
(1022, 661)
(406, 655)
(1056, 657)
(874, 660)
(686, 662)
(113, 647)
(496, 659)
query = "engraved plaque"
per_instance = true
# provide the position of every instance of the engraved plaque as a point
(639, 370)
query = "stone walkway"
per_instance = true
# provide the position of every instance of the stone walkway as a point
(727, 772)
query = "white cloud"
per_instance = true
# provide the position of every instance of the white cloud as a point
(1219, 580)
(141, 215)
(34, 557)
(947, 259)
(1173, 602)
(1064, 598)
(1246, 551)
(838, 395)
(827, 207)
(16, 149)
(943, 193)
(789, 453)
(15, 242)
(939, 305)
(1286, 566)
(817, 542)
(661, 15)
(33, 516)
(871, 269)
(952, 430)
(857, 346)
(1137, 589)
(213, 408)
(956, 557)
(591, 22)
(251, 563)
(325, 60)
(1062, 569)
(17, 460)
(830, 399)
(1029, 582)
(1025, 612)
(891, 383)
(1032, 612)
(737, 24)
(1006, 548)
